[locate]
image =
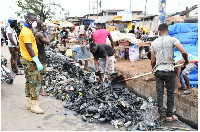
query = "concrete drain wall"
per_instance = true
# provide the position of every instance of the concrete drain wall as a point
(186, 108)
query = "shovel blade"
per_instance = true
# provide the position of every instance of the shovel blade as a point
(118, 83)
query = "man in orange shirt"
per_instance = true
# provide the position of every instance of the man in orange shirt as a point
(31, 63)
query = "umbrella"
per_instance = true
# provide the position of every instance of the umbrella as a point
(66, 24)
(51, 24)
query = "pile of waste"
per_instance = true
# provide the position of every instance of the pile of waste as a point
(97, 101)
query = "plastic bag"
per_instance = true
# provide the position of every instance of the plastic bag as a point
(134, 53)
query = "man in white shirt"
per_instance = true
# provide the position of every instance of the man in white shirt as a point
(13, 45)
(162, 59)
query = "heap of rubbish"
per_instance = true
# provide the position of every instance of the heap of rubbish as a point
(97, 101)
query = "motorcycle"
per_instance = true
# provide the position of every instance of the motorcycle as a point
(7, 75)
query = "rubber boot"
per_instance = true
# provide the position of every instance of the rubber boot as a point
(35, 108)
(28, 103)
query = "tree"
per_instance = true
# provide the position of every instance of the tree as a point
(39, 7)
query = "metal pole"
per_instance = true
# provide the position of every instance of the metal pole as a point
(187, 12)
(100, 5)
(162, 7)
(145, 8)
(93, 10)
(97, 9)
(145, 11)
(89, 9)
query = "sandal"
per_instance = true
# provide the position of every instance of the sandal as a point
(173, 118)
(188, 91)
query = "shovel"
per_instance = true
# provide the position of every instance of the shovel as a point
(188, 69)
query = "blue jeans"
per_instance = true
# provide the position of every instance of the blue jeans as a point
(85, 52)
(78, 52)
(82, 52)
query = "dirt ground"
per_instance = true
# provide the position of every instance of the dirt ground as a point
(141, 67)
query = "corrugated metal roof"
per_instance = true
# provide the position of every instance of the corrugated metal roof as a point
(103, 19)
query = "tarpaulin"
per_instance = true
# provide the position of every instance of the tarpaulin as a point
(183, 28)
(187, 34)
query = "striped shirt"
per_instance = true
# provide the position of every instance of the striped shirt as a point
(164, 52)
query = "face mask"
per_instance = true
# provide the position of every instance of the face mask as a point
(13, 25)
(30, 22)
(34, 24)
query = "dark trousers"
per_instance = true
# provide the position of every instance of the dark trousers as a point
(169, 79)
(19, 64)
(13, 59)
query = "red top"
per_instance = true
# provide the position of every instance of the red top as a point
(100, 36)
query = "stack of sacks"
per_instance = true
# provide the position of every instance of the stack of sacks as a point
(117, 36)
(129, 37)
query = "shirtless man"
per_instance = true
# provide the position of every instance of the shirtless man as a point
(42, 39)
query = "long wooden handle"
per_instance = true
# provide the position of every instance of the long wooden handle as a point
(141, 75)
(178, 65)
(149, 73)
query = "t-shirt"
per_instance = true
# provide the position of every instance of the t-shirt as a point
(14, 36)
(138, 34)
(64, 34)
(69, 52)
(100, 36)
(103, 50)
(26, 36)
(82, 40)
(164, 52)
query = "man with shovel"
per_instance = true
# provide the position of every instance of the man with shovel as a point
(105, 52)
(162, 59)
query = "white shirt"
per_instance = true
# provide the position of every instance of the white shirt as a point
(14, 36)
(164, 52)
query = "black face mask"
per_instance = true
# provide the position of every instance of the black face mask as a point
(13, 25)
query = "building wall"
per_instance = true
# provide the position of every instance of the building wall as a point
(150, 25)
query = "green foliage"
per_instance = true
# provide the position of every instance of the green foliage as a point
(39, 7)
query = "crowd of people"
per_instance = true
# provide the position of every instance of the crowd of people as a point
(31, 47)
